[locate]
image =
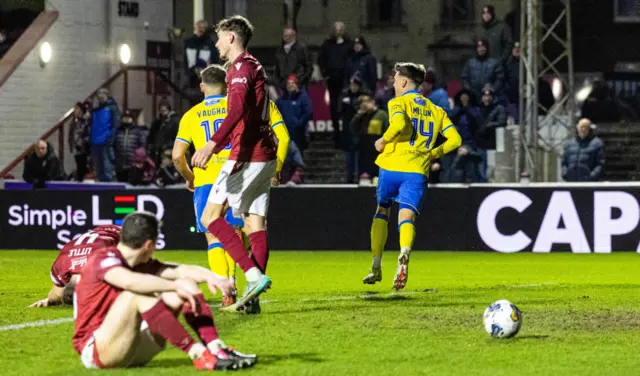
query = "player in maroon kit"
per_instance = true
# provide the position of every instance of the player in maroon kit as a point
(245, 179)
(70, 261)
(127, 303)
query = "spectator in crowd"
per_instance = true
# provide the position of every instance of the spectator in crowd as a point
(199, 51)
(462, 167)
(129, 138)
(493, 116)
(42, 165)
(481, 70)
(437, 95)
(599, 106)
(362, 64)
(583, 157)
(5, 45)
(295, 107)
(386, 92)
(350, 108)
(163, 132)
(105, 119)
(167, 174)
(143, 170)
(79, 141)
(293, 58)
(332, 59)
(367, 126)
(496, 33)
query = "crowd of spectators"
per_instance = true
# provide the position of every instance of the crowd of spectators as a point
(109, 145)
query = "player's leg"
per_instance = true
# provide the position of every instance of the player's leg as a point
(215, 252)
(253, 202)
(213, 219)
(410, 199)
(386, 192)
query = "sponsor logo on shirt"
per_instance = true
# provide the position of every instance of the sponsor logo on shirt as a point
(110, 261)
(239, 80)
(419, 101)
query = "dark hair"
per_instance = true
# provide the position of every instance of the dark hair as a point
(412, 71)
(67, 293)
(239, 26)
(214, 74)
(138, 228)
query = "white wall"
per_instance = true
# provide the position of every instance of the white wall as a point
(84, 40)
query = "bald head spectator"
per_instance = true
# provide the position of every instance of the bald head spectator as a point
(293, 58)
(199, 51)
(497, 33)
(583, 157)
(42, 165)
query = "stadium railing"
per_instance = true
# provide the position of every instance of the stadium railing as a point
(57, 135)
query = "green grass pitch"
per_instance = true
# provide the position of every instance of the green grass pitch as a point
(581, 316)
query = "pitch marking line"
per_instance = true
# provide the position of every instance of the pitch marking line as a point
(34, 324)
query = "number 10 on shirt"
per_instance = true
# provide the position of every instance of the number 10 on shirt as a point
(418, 126)
(206, 124)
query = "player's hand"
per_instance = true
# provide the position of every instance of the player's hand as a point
(462, 151)
(435, 167)
(190, 185)
(187, 290)
(41, 303)
(225, 285)
(275, 180)
(380, 144)
(202, 156)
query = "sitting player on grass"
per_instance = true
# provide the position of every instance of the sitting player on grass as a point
(197, 126)
(406, 151)
(127, 305)
(72, 258)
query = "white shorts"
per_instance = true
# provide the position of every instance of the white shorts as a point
(146, 348)
(246, 188)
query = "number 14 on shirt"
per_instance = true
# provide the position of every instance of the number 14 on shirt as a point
(418, 126)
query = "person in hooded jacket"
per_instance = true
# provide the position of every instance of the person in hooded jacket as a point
(362, 64)
(129, 137)
(497, 33)
(482, 70)
(143, 169)
(163, 132)
(494, 116)
(583, 157)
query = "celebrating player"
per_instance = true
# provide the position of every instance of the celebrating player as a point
(406, 150)
(123, 285)
(197, 126)
(70, 261)
(245, 179)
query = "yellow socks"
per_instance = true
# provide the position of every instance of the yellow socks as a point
(217, 260)
(378, 238)
(407, 235)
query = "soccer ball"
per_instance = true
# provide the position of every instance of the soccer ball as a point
(502, 319)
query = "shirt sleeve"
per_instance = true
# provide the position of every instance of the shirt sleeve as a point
(184, 134)
(56, 277)
(282, 134)
(451, 134)
(105, 263)
(238, 87)
(397, 121)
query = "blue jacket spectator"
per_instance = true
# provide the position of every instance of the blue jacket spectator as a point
(481, 71)
(295, 107)
(105, 119)
(362, 64)
(437, 95)
(583, 157)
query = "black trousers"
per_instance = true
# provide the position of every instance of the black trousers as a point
(81, 166)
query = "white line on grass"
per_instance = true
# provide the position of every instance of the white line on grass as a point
(35, 323)
(329, 299)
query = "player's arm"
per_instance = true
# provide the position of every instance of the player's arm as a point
(236, 105)
(451, 134)
(197, 274)
(141, 283)
(282, 134)
(180, 147)
(54, 297)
